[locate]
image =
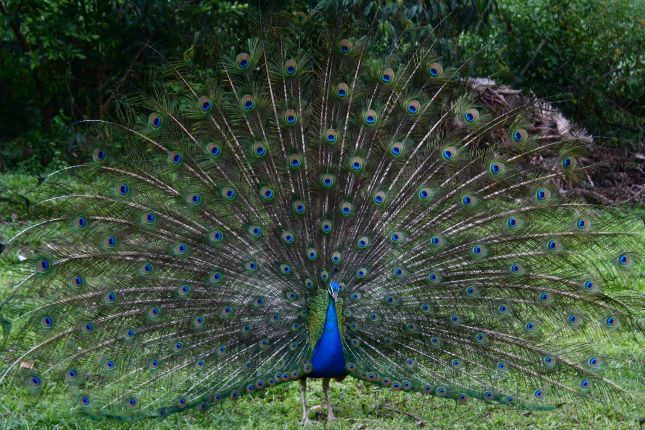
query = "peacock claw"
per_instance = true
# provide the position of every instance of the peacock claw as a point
(306, 422)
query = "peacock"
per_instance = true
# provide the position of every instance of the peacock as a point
(313, 207)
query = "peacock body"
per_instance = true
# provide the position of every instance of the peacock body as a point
(309, 209)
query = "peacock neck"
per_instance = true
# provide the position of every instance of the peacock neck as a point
(328, 360)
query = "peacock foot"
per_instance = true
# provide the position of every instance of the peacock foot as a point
(306, 422)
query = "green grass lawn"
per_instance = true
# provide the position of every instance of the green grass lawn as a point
(357, 405)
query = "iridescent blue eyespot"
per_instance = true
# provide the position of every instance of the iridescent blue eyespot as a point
(568, 163)
(110, 241)
(471, 116)
(424, 193)
(109, 297)
(76, 281)
(149, 218)
(43, 265)
(99, 155)
(519, 135)
(243, 60)
(370, 117)
(541, 194)
(71, 375)
(214, 150)
(47, 322)
(122, 189)
(285, 269)
(175, 158)
(248, 103)
(413, 107)
(326, 226)
(80, 222)
(154, 120)
(35, 381)
(299, 207)
(205, 104)
(183, 290)
(517, 268)
(342, 90)
(624, 260)
(379, 198)
(291, 68)
(435, 70)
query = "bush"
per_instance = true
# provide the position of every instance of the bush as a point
(586, 54)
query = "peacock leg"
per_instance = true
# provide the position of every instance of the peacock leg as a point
(303, 397)
(330, 412)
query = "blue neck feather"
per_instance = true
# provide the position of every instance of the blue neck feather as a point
(328, 360)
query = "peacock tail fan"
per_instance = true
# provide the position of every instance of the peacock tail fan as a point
(188, 260)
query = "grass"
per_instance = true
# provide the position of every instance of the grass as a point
(357, 405)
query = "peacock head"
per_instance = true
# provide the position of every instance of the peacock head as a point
(334, 289)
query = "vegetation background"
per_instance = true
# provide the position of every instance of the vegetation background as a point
(62, 61)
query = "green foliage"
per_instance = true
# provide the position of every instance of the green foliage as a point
(586, 54)
(68, 60)
(62, 61)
